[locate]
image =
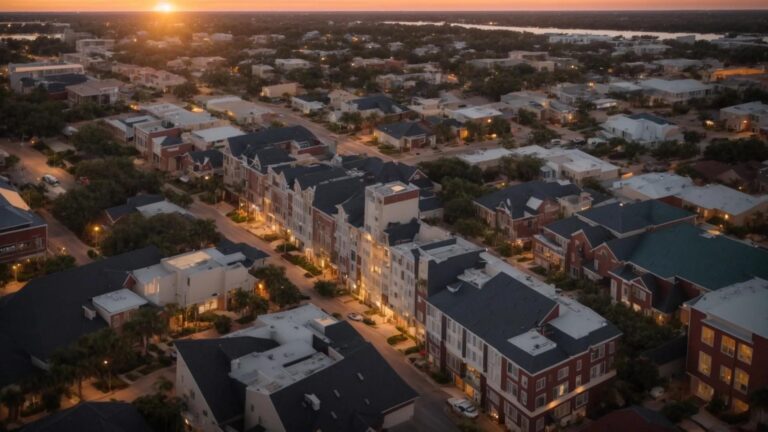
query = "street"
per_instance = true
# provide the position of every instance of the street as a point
(31, 168)
(431, 413)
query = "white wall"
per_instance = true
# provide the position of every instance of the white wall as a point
(400, 415)
(196, 406)
(259, 410)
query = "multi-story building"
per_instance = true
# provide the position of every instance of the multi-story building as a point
(520, 211)
(205, 279)
(94, 46)
(533, 359)
(643, 128)
(570, 164)
(672, 91)
(23, 234)
(97, 92)
(750, 116)
(728, 343)
(569, 244)
(18, 72)
(295, 371)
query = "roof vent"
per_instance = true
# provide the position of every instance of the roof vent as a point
(360, 376)
(313, 401)
(454, 287)
(89, 313)
(336, 392)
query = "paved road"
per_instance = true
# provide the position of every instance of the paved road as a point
(31, 167)
(431, 413)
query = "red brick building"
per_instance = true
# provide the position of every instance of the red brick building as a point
(532, 359)
(521, 210)
(728, 343)
(23, 233)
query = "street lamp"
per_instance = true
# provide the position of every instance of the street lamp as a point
(109, 375)
(96, 231)
(16, 268)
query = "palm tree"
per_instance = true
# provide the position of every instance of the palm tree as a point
(172, 312)
(258, 305)
(240, 300)
(12, 397)
(144, 324)
(72, 365)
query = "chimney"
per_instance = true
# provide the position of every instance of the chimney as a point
(313, 401)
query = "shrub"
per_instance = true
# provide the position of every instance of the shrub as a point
(679, 410)
(440, 377)
(223, 324)
(505, 250)
(368, 321)
(413, 350)
(396, 339)
(325, 288)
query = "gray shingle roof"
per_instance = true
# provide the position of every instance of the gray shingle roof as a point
(515, 198)
(92, 417)
(403, 129)
(381, 102)
(245, 144)
(117, 212)
(623, 218)
(47, 313)
(214, 157)
(331, 193)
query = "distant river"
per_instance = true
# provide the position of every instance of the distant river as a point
(30, 36)
(546, 30)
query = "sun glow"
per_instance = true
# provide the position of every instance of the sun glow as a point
(164, 7)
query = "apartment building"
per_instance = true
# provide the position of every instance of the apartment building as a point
(205, 279)
(569, 244)
(94, 46)
(721, 202)
(294, 371)
(673, 91)
(534, 360)
(728, 343)
(643, 128)
(749, 117)
(97, 92)
(519, 211)
(19, 72)
(570, 164)
(23, 234)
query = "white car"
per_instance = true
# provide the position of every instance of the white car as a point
(51, 180)
(463, 406)
(354, 316)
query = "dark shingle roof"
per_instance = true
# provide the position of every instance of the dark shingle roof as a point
(624, 218)
(251, 253)
(12, 217)
(402, 232)
(331, 193)
(505, 308)
(291, 173)
(403, 129)
(360, 403)
(566, 227)
(209, 362)
(214, 157)
(516, 198)
(632, 419)
(687, 252)
(117, 212)
(270, 156)
(672, 350)
(378, 171)
(354, 207)
(381, 102)
(47, 313)
(246, 144)
(92, 417)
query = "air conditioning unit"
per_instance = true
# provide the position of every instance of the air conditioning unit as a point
(89, 313)
(313, 401)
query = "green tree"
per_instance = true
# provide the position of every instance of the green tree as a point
(12, 397)
(162, 413)
(96, 140)
(171, 233)
(325, 288)
(144, 324)
(186, 91)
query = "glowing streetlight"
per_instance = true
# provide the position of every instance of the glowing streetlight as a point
(16, 267)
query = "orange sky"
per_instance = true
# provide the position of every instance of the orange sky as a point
(394, 5)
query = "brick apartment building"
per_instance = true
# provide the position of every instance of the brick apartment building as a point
(728, 343)
(23, 234)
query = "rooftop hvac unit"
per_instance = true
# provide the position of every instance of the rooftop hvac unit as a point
(313, 401)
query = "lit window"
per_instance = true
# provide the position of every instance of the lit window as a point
(708, 336)
(745, 353)
(741, 380)
(728, 346)
(560, 390)
(705, 363)
(726, 374)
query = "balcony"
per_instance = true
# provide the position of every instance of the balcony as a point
(552, 246)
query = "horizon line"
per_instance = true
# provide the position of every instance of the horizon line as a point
(398, 11)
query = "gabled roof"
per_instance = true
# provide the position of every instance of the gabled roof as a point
(239, 145)
(378, 171)
(310, 179)
(354, 394)
(506, 313)
(291, 173)
(687, 252)
(131, 204)
(623, 218)
(520, 199)
(354, 207)
(214, 157)
(403, 129)
(331, 193)
(92, 417)
(380, 102)
(14, 212)
(402, 232)
(210, 361)
(47, 313)
(270, 156)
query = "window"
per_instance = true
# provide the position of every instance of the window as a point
(597, 371)
(523, 398)
(745, 353)
(512, 370)
(523, 423)
(578, 380)
(512, 388)
(611, 347)
(741, 381)
(562, 373)
(540, 424)
(726, 374)
(563, 409)
(728, 346)
(541, 383)
(578, 365)
(560, 390)
(705, 363)
(597, 353)
(581, 400)
(524, 381)
(511, 412)
(541, 400)
(708, 336)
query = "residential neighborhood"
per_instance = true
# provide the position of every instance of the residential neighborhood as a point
(340, 222)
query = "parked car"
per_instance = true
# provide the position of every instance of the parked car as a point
(354, 316)
(463, 406)
(51, 180)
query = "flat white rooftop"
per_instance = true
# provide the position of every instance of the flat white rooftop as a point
(481, 156)
(533, 342)
(744, 305)
(655, 185)
(217, 133)
(119, 301)
(715, 196)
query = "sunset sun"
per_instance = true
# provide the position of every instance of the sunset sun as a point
(164, 7)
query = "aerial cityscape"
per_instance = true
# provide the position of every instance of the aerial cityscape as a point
(424, 215)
